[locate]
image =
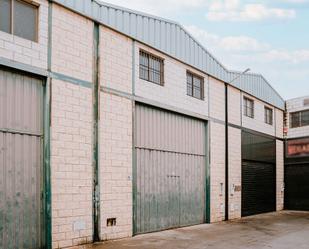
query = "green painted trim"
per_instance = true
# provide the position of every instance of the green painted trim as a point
(95, 155)
(133, 67)
(23, 67)
(134, 171)
(46, 166)
(50, 26)
(207, 173)
(70, 79)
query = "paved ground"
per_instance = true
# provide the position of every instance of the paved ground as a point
(283, 230)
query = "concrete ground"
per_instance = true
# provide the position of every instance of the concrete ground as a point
(282, 230)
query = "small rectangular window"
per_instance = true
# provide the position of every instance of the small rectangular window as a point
(304, 118)
(19, 18)
(151, 68)
(195, 86)
(295, 119)
(248, 107)
(5, 15)
(268, 115)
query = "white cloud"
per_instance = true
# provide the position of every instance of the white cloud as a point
(157, 7)
(228, 43)
(232, 10)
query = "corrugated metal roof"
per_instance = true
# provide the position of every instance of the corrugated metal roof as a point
(172, 39)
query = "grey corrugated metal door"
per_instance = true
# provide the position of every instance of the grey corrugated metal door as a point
(21, 111)
(170, 165)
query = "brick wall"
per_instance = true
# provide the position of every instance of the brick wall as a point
(280, 173)
(71, 164)
(116, 166)
(25, 51)
(295, 105)
(234, 108)
(234, 172)
(115, 60)
(217, 171)
(174, 91)
(72, 44)
(279, 123)
(216, 99)
(258, 122)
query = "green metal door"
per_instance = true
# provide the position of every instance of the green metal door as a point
(170, 170)
(21, 137)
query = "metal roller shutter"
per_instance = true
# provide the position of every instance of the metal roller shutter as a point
(258, 188)
(297, 187)
(21, 133)
(258, 174)
(170, 165)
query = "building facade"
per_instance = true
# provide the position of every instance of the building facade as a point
(297, 154)
(116, 123)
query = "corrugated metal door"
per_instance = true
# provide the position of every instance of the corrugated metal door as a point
(258, 188)
(297, 187)
(21, 111)
(258, 174)
(170, 160)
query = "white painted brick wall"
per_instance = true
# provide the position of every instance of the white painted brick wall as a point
(279, 123)
(174, 91)
(72, 44)
(295, 105)
(234, 172)
(216, 99)
(71, 164)
(234, 106)
(116, 165)
(280, 173)
(217, 171)
(25, 51)
(115, 60)
(258, 122)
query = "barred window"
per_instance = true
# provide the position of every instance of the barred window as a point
(151, 68)
(195, 86)
(248, 107)
(268, 115)
(299, 119)
(19, 18)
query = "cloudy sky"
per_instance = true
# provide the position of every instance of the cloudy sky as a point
(269, 36)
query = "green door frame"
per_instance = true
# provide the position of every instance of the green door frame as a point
(47, 240)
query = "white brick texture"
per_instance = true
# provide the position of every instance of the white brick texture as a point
(71, 164)
(216, 99)
(25, 51)
(258, 122)
(116, 60)
(72, 44)
(295, 105)
(217, 171)
(280, 173)
(174, 91)
(234, 172)
(116, 166)
(234, 108)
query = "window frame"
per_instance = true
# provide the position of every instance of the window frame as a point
(34, 5)
(270, 111)
(246, 107)
(161, 61)
(299, 121)
(194, 75)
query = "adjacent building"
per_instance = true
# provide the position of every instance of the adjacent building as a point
(297, 154)
(115, 123)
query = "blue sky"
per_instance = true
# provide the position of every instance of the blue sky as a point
(269, 36)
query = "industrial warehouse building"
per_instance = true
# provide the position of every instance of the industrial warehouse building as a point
(115, 123)
(297, 154)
